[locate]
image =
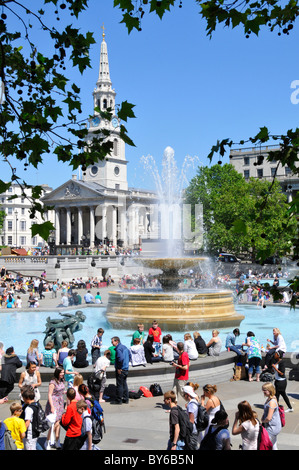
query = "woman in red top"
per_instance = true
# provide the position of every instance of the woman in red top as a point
(181, 376)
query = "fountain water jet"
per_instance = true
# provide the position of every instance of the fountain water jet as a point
(173, 308)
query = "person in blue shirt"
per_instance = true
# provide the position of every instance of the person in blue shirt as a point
(89, 298)
(122, 359)
(231, 340)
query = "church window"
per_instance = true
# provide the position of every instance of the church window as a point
(115, 147)
(104, 103)
(94, 170)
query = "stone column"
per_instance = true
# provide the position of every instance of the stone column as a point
(57, 227)
(68, 226)
(91, 226)
(114, 226)
(104, 222)
(80, 225)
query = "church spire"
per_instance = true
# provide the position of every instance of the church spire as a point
(104, 73)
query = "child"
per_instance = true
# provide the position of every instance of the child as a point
(96, 345)
(68, 368)
(86, 430)
(28, 414)
(98, 298)
(139, 333)
(72, 420)
(16, 425)
(155, 330)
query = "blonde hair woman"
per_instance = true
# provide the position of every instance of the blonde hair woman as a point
(190, 347)
(278, 344)
(78, 380)
(215, 344)
(211, 402)
(32, 353)
(271, 416)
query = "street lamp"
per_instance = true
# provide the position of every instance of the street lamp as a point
(16, 215)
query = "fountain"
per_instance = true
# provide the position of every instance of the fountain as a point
(173, 307)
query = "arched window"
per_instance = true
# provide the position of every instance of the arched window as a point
(104, 103)
(115, 147)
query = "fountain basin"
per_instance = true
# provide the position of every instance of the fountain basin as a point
(204, 309)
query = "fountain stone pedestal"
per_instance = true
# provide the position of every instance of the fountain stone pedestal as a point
(174, 309)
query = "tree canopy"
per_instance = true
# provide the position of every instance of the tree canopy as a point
(239, 216)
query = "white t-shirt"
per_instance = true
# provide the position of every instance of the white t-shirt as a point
(28, 417)
(168, 352)
(101, 363)
(249, 435)
(190, 349)
(86, 427)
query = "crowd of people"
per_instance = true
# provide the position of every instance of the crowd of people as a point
(70, 401)
(67, 388)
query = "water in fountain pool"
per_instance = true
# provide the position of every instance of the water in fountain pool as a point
(19, 328)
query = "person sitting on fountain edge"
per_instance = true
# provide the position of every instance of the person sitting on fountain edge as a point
(155, 330)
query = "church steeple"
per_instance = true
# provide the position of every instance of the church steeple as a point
(111, 172)
(104, 95)
(104, 73)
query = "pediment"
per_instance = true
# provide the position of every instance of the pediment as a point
(71, 190)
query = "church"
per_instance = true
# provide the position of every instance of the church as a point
(98, 207)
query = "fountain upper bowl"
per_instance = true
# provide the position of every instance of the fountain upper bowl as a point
(170, 263)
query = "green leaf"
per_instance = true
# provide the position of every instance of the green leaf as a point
(126, 111)
(43, 230)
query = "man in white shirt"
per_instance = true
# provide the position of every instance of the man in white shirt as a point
(101, 365)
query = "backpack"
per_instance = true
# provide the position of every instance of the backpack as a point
(93, 383)
(98, 424)
(39, 421)
(202, 418)
(263, 440)
(9, 442)
(156, 390)
(209, 441)
(266, 376)
(186, 427)
(282, 415)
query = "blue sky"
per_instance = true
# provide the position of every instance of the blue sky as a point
(188, 90)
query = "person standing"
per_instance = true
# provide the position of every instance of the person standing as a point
(280, 382)
(73, 421)
(122, 359)
(182, 370)
(16, 425)
(55, 404)
(69, 372)
(247, 425)
(96, 344)
(29, 414)
(31, 376)
(174, 442)
(271, 417)
(254, 356)
(10, 364)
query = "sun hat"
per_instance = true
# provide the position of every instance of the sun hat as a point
(189, 391)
